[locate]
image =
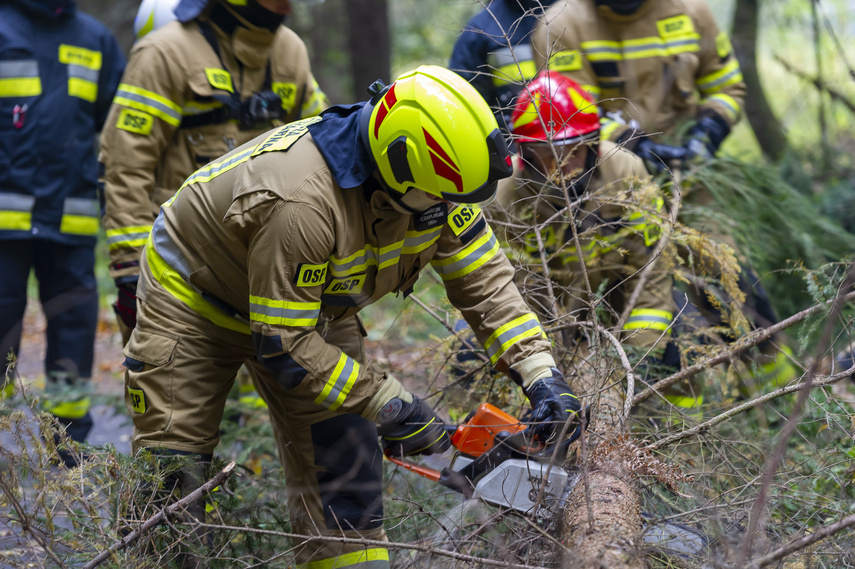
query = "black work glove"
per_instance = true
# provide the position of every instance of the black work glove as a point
(553, 404)
(705, 136)
(659, 157)
(411, 428)
(125, 306)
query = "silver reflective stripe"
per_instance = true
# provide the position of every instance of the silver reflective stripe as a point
(81, 206)
(417, 242)
(19, 69)
(653, 43)
(679, 43)
(360, 261)
(127, 237)
(17, 202)
(615, 51)
(498, 345)
(342, 385)
(150, 102)
(282, 313)
(509, 56)
(472, 257)
(80, 72)
(165, 247)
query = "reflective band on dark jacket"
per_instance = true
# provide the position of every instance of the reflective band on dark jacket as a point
(57, 80)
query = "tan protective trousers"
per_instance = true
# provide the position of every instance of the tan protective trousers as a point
(181, 367)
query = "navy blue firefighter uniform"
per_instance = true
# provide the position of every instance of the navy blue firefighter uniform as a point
(493, 52)
(59, 70)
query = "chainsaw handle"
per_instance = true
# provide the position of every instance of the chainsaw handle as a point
(446, 477)
(426, 472)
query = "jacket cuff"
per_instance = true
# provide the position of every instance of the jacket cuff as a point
(389, 389)
(533, 368)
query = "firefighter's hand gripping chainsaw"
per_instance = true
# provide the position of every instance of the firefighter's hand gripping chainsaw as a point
(498, 460)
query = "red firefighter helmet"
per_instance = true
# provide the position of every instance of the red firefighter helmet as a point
(553, 108)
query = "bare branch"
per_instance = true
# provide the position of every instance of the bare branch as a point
(802, 542)
(748, 341)
(162, 515)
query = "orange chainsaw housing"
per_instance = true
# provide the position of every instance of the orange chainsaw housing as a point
(478, 433)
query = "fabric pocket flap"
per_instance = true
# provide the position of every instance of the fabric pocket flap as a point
(150, 347)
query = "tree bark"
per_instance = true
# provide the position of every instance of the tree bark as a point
(369, 43)
(602, 517)
(767, 128)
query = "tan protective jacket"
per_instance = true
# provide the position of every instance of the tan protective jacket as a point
(618, 224)
(173, 77)
(661, 66)
(263, 241)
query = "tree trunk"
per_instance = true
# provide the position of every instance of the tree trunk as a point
(767, 128)
(369, 44)
(602, 518)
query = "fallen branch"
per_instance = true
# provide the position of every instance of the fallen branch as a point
(795, 545)
(162, 515)
(701, 427)
(748, 341)
(755, 524)
(375, 543)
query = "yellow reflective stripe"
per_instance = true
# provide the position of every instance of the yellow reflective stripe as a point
(601, 50)
(196, 107)
(685, 402)
(777, 373)
(79, 225)
(731, 107)
(339, 383)
(21, 87)
(213, 170)
(172, 282)
(473, 256)
(283, 312)
(507, 335)
(134, 236)
(149, 102)
(16, 220)
(316, 103)
(607, 127)
(728, 75)
(374, 558)
(514, 73)
(417, 241)
(69, 410)
(648, 319)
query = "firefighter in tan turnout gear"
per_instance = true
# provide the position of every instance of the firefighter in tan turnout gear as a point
(567, 174)
(266, 256)
(194, 89)
(654, 66)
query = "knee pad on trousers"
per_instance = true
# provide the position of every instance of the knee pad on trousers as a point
(350, 472)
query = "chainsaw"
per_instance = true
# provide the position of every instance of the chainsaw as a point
(498, 461)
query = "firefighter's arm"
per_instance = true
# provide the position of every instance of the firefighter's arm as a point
(287, 265)
(478, 279)
(146, 112)
(479, 282)
(720, 83)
